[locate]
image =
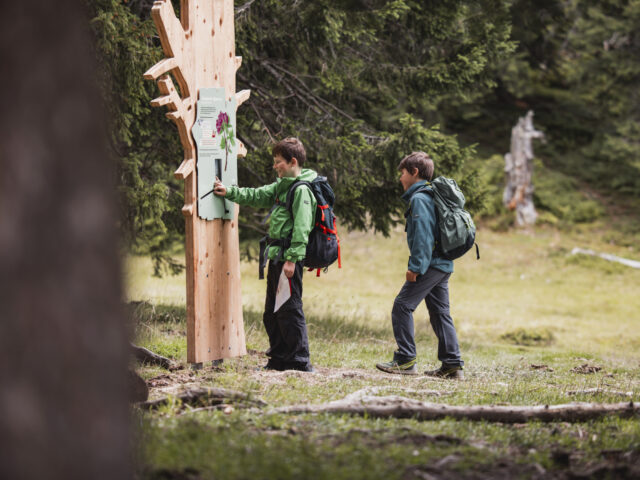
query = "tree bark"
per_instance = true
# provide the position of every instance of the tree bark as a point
(63, 401)
(401, 407)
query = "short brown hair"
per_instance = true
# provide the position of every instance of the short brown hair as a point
(289, 148)
(419, 160)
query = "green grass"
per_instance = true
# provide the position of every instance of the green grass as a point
(525, 279)
(526, 302)
(246, 446)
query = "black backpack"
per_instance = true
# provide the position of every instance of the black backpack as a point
(323, 248)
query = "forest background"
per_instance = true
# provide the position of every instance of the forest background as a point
(364, 82)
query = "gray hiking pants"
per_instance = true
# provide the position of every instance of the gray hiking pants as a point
(433, 288)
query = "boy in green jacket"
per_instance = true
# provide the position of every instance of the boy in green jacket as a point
(427, 278)
(286, 248)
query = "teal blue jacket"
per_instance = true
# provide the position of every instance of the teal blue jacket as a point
(281, 225)
(422, 231)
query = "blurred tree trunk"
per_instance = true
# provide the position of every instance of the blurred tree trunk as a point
(63, 397)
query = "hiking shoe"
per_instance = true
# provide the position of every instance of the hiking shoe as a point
(301, 368)
(446, 372)
(408, 368)
(271, 366)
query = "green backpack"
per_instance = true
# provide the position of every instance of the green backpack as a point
(457, 230)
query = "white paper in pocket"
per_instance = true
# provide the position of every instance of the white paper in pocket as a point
(283, 292)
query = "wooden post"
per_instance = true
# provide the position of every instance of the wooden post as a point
(200, 53)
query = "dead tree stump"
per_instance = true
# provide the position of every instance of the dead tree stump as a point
(518, 193)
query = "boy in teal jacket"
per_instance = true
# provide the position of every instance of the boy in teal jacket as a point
(287, 240)
(427, 278)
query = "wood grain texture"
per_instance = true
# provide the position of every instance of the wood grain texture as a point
(200, 53)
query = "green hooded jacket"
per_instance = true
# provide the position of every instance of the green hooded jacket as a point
(280, 223)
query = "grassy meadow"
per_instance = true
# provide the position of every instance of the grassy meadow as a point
(532, 319)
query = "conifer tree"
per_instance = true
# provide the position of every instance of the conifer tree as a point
(360, 82)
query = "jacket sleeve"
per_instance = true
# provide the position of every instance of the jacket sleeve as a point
(303, 210)
(421, 234)
(264, 196)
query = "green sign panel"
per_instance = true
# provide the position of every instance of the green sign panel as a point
(217, 154)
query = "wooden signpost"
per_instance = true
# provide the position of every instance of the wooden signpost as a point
(200, 56)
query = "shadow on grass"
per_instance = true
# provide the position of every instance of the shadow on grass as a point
(326, 328)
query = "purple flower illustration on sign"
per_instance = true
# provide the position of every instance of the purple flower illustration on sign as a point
(222, 118)
(227, 139)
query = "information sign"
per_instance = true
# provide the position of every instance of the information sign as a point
(214, 133)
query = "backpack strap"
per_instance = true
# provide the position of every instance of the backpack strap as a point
(429, 190)
(266, 217)
(275, 205)
(426, 188)
(267, 242)
(291, 191)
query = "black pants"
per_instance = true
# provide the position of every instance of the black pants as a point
(286, 328)
(433, 288)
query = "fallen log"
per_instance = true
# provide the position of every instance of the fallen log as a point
(401, 407)
(607, 256)
(202, 397)
(147, 356)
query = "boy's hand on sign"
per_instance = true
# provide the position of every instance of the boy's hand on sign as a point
(218, 188)
(289, 268)
(411, 276)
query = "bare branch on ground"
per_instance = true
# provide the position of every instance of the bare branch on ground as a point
(400, 407)
(606, 256)
(147, 356)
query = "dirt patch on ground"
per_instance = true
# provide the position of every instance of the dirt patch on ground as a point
(619, 465)
(445, 469)
(452, 467)
(173, 382)
(381, 438)
(541, 367)
(586, 368)
(322, 374)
